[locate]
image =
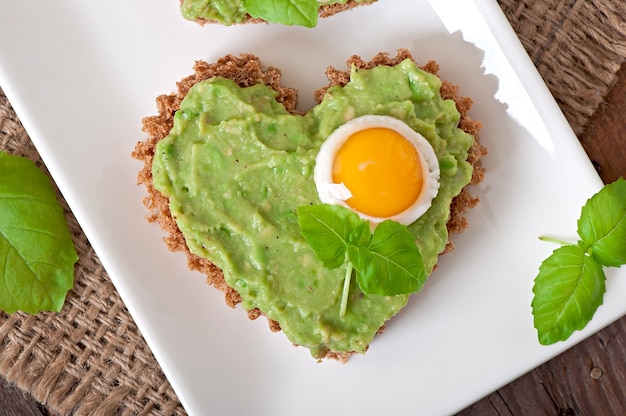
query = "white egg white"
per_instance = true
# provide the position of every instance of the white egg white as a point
(332, 193)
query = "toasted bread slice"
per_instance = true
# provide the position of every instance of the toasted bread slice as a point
(247, 70)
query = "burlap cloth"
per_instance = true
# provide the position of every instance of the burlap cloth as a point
(90, 358)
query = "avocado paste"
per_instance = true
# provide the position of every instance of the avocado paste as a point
(236, 165)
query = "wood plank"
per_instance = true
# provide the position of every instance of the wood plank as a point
(605, 138)
(16, 402)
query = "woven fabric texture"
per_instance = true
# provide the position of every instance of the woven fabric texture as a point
(577, 45)
(90, 358)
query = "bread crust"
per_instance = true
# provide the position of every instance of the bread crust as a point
(247, 70)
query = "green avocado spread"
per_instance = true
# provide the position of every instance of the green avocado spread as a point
(228, 12)
(237, 164)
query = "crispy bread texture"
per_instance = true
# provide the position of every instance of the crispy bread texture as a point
(247, 70)
(325, 10)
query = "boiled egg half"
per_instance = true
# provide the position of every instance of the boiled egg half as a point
(380, 168)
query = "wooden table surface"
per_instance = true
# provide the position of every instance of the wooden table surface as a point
(588, 379)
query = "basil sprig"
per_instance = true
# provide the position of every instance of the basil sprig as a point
(386, 262)
(571, 282)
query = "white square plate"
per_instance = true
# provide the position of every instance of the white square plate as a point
(82, 74)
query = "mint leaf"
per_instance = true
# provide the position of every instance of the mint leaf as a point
(568, 290)
(329, 229)
(602, 224)
(287, 12)
(37, 255)
(391, 264)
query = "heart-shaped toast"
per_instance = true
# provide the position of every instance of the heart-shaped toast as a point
(229, 161)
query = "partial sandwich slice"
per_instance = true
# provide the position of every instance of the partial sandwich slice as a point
(287, 12)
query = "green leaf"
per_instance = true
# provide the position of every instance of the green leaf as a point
(567, 291)
(387, 263)
(391, 264)
(361, 235)
(602, 224)
(329, 229)
(37, 255)
(287, 12)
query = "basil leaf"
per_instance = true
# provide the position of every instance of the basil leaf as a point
(329, 229)
(602, 224)
(387, 263)
(361, 235)
(37, 255)
(287, 12)
(567, 291)
(391, 264)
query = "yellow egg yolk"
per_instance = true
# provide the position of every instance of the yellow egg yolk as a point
(382, 170)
